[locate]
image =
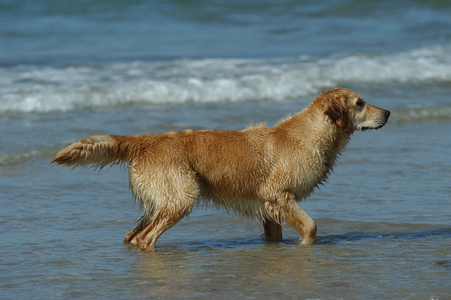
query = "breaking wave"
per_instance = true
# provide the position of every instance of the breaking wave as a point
(28, 88)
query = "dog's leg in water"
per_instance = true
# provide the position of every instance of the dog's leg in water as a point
(161, 222)
(297, 218)
(130, 237)
(273, 231)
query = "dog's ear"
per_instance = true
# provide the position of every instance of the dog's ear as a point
(335, 109)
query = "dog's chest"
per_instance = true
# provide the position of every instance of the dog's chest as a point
(311, 171)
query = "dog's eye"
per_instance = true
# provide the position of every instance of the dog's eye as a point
(360, 102)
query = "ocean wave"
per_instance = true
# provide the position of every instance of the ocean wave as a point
(7, 159)
(11, 160)
(433, 114)
(45, 89)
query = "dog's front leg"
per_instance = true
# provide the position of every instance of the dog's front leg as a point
(297, 218)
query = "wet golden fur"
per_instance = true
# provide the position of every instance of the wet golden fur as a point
(260, 172)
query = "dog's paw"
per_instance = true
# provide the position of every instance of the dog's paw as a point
(307, 242)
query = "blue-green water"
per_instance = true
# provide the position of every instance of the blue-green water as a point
(74, 69)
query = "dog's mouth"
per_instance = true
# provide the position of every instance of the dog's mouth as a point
(364, 128)
(379, 124)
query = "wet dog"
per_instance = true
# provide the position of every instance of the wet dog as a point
(259, 172)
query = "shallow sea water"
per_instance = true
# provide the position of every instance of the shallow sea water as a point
(384, 228)
(383, 221)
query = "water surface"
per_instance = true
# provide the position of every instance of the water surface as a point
(69, 71)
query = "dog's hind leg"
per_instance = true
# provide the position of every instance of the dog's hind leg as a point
(297, 218)
(273, 231)
(130, 237)
(162, 221)
(173, 198)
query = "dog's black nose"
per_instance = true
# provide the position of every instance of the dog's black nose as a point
(387, 113)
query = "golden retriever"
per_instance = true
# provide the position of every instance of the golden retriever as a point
(260, 172)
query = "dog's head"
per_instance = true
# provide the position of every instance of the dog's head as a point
(349, 111)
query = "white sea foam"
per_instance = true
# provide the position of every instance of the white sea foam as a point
(45, 89)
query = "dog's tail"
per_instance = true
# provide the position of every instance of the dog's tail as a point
(97, 151)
